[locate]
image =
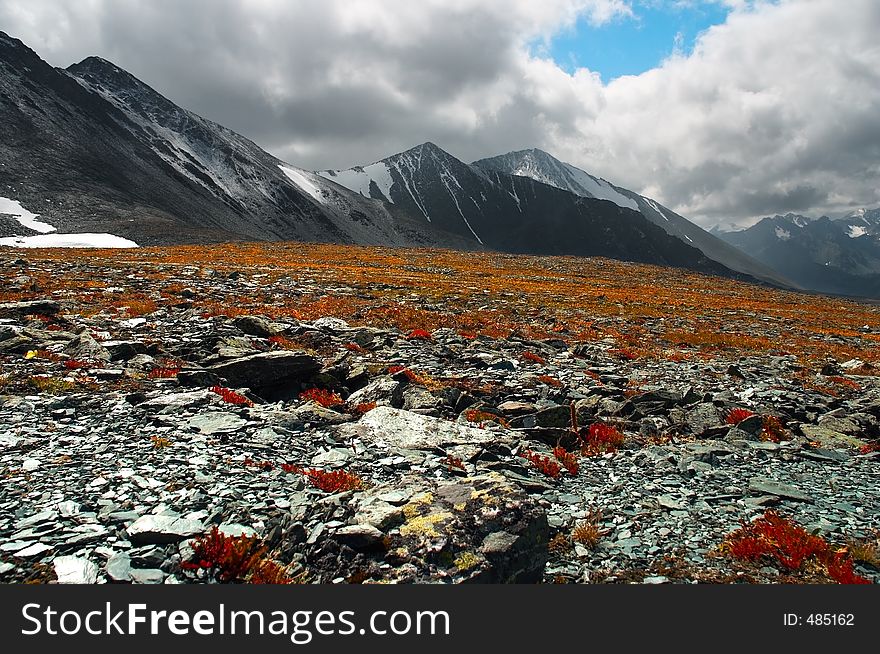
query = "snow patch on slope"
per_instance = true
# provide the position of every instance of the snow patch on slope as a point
(302, 181)
(782, 234)
(600, 189)
(359, 179)
(24, 217)
(855, 231)
(656, 207)
(69, 241)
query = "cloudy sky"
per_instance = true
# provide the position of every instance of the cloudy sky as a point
(725, 110)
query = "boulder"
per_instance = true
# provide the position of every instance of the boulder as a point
(267, 369)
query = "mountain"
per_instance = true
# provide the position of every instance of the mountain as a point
(543, 167)
(516, 214)
(840, 256)
(93, 149)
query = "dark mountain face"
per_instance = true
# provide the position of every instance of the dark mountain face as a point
(514, 213)
(830, 256)
(93, 149)
(544, 168)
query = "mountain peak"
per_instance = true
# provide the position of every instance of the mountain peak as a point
(105, 72)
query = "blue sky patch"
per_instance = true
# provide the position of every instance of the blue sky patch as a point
(634, 44)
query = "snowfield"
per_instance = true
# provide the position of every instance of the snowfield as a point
(69, 241)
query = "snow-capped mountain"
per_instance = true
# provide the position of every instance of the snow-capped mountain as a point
(515, 213)
(93, 149)
(543, 167)
(831, 256)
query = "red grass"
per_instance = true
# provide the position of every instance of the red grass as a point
(780, 539)
(76, 364)
(534, 358)
(736, 416)
(231, 396)
(869, 448)
(601, 439)
(568, 460)
(544, 464)
(235, 559)
(325, 398)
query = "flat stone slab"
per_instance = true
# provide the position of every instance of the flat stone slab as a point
(414, 431)
(162, 529)
(763, 486)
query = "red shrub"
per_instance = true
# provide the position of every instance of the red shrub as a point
(354, 347)
(76, 364)
(164, 372)
(550, 381)
(363, 408)
(231, 396)
(772, 430)
(780, 539)
(454, 462)
(262, 465)
(568, 460)
(736, 416)
(544, 464)
(601, 439)
(477, 416)
(534, 358)
(325, 398)
(870, 448)
(335, 481)
(419, 335)
(235, 559)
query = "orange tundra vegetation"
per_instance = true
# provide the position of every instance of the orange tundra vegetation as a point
(648, 311)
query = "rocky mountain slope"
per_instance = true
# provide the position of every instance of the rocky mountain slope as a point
(830, 256)
(517, 214)
(543, 167)
(376, 415)
(93, 149)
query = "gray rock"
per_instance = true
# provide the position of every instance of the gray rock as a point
(161, 529)
(417, 432)
(267, 369)
(255, 326)
(118, 568)
(86, 348)
(360, 536)
(147, 576)
(21, 309)
(216, 422)
(769, 487)
(75, 570)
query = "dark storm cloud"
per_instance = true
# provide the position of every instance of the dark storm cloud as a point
(776, 110)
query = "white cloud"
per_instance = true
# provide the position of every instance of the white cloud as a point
(776, 110)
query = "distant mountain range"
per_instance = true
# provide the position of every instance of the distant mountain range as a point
(839, 256)
(90, 154)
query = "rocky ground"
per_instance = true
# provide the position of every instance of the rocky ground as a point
(366, 453)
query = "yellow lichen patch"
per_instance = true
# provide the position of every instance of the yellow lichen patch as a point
(466, 561)
(425, 525)
(459, 507)
(417, 504)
